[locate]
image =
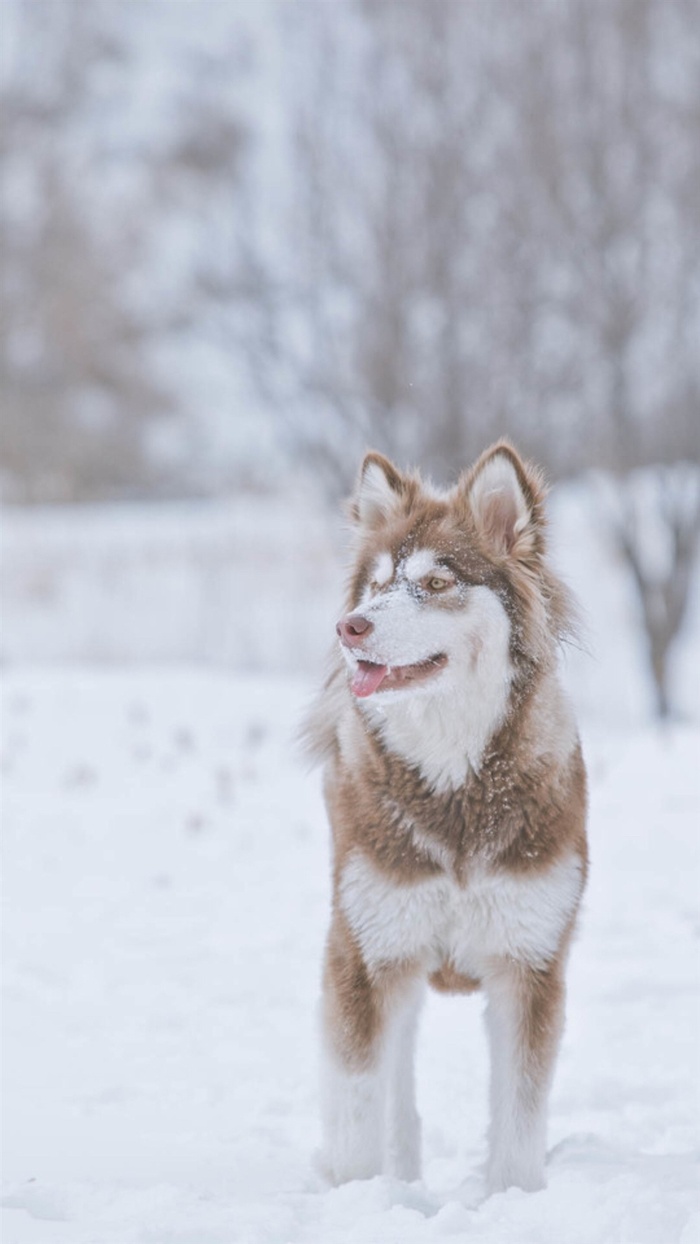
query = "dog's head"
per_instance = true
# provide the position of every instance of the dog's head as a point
(446, 581)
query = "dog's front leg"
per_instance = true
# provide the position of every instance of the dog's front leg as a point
(358, 1015)
(524, 1017)
(403, 1122)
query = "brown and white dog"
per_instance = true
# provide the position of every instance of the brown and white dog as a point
(456, 791)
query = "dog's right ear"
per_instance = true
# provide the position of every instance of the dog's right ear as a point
(506, 497)
(380, 491)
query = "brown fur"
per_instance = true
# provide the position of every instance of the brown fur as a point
(520, 813)
(357, 1000)
(448, 980)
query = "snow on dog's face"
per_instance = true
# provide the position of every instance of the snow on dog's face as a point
(447, 585)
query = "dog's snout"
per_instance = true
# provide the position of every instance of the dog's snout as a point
(353, 629)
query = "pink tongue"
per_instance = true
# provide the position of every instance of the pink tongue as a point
(367, 678)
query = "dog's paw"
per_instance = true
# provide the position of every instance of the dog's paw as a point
(322, 1167)
(501, 1176)
(335, 1170)
(404, 1164)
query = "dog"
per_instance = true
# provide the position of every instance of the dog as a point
(456, 791)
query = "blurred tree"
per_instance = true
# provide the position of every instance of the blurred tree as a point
(501, 235)
(653, 518)
(605, 185)
(371, 333)
(106, 225)
(79, 397)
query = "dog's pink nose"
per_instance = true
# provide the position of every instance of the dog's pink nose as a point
(353, 629)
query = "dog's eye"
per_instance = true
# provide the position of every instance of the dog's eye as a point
(438, 584)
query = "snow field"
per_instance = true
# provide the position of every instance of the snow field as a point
(166, 891)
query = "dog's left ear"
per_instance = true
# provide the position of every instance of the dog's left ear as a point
(506, 499)
(380, 492)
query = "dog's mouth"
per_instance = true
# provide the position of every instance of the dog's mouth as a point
(369, 676)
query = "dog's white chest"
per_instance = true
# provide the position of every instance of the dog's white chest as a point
(492, 916)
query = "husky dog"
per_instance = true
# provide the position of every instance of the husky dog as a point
(456, 791)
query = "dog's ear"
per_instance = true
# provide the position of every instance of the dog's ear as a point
(506, 498)
(380, 490)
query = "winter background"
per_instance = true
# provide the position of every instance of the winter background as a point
(242, 241)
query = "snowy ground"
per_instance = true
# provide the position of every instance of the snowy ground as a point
(166, 880)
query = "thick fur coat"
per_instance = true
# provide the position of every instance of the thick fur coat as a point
(456, 793)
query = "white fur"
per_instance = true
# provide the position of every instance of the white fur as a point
(383, 570)
(494, 916)
(518, 1101)
(419, 564)
(551, 725)
(369, 1118)
(403, 1122)
(353, 1105)
(489, 929)
(407, 630)
(410, 569)
(442, 726)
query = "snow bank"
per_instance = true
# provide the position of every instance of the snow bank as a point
(166, 895)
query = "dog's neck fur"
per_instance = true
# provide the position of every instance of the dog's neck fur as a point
(447, 736)
(444, 734)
